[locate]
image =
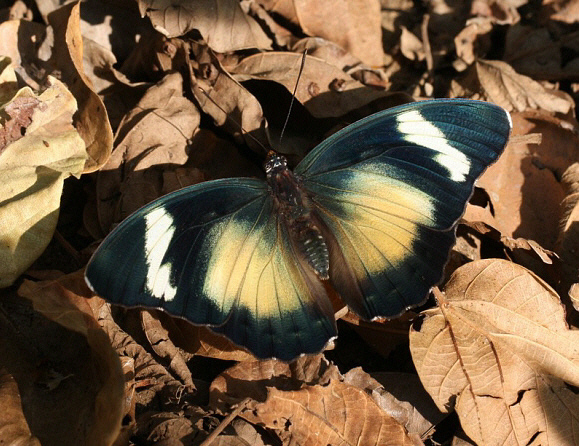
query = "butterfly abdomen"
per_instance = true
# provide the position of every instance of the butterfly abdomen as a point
(295, 211)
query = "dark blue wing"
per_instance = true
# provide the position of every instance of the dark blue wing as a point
(389, 190)
(217, 254)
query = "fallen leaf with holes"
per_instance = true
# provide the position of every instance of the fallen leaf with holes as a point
(498, 351)
(222, 23)
(40, 149)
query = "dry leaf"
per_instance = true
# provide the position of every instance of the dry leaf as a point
(222, 23)
(503, 86)
(523, 184)
(569, 229)
(499, 352)
(253, 378)
(321, 415)
(542, 54)
(224, 99)
(401, 396)
(325, 91)
(164, 348)
(91, 120)
(14, 428)
(134, 169)
(20, 41)
(83, 383)
(33, 166)
(352, 24)
(411, 46)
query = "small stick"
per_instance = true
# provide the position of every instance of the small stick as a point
(227, 420)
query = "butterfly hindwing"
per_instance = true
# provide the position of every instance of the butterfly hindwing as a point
(217, 253)
(389, 190)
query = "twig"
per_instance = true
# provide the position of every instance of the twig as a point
(228, 419)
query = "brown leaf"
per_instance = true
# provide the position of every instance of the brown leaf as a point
(341, 414)
(541, 54)
(91, 120)
(202, 341)
(525, 179)
(13, 425)
(401, 396)
(33, 168)
(83, 383)
(222, 23)
(325, 90)
(20, 40)
(502, 85)
(569, 227)
(164, 348)
(499, 352)
(151, 380)
(252, 378)
(134, 170)
(354, 24)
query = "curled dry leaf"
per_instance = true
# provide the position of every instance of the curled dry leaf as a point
(325, 90)
(353, 24)
(92, 400)
(14, 428)
(503, 86)
(42, 149)
(164, 348)
(499, 352)
(342, 415)
(151, 380)
(91, 120)
(222, 23)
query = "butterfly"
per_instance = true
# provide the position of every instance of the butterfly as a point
(372, 210)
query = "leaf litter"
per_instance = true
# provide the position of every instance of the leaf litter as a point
(143, 98)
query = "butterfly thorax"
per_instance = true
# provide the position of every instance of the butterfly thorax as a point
(295, 211)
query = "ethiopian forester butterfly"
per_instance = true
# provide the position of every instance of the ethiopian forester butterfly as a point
(372, 209)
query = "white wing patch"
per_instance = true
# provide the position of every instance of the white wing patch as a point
(158, 235)
(416, 129)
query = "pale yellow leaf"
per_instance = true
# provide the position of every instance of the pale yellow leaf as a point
(33, 169)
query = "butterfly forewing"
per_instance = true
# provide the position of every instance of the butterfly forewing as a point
(390, 189)
(217, 254)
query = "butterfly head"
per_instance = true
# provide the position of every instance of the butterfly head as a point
(274, 163)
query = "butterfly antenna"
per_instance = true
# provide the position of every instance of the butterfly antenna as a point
(229, 118)
(293, 96)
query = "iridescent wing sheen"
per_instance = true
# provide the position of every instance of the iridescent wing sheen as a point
(217, 254)
(389, 190)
